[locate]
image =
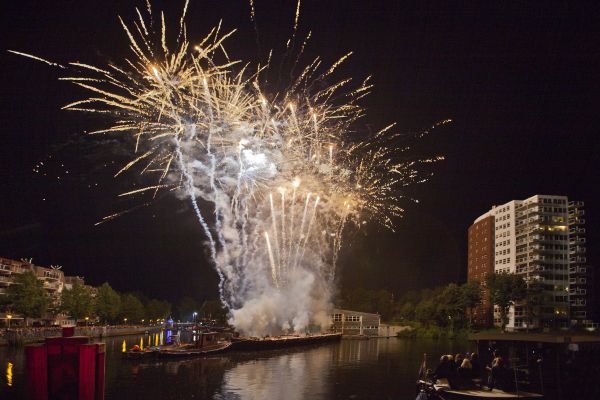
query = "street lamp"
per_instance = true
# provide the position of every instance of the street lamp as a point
(195, 315)
(86, 321)
(125, 321)
(8, 317)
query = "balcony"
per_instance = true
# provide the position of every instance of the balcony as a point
(575, 204)
(577, 292)
(576, 213)
(577, 270)
(577, 281)
(575, 241)
(578, 303)
(576, 231)
(576, 221)
(52, 286)
(577, 250)
(577, 260)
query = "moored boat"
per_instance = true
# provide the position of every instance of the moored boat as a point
(440, 390)
(195, 351)
(437, 385)
(276, 342)
(206, 344)
(136, 353)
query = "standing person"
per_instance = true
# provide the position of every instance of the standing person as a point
(495, 370)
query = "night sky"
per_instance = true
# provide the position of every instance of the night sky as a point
(520, 82)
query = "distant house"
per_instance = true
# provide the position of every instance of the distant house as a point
(355, 322)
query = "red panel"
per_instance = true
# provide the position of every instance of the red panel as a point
(36, 372)
(87, 371)
(100, 360)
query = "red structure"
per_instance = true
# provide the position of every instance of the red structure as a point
(67, 367)
(480, 264)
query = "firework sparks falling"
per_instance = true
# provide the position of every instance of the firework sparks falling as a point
(285, 173)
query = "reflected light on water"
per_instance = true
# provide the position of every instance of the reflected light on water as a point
(9, 374)
(295, 376)
(350, 369)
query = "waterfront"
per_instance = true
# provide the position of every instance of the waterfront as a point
(350, 369)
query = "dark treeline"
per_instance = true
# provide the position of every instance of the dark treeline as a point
(445, 306)
(445, 309)
(28, 298)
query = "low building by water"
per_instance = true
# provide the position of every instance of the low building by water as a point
(355, 322)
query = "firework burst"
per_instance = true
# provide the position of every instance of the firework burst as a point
(285, 172)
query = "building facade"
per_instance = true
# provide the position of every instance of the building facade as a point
(481, 263)
(355, 322)
(53, 280)
(541, 238)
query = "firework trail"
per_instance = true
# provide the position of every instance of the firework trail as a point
(284, 173)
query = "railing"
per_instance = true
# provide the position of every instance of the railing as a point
(576, 212)
(580, 303)
(30, 335)
(577, 292)
(577, 250)
(577, 270)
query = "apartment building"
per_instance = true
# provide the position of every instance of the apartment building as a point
(541, 238)
(53, 279)
(481, 263)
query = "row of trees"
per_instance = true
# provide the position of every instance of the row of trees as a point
(189, 309)
(110, 306)
(28, 298)
(451, 306)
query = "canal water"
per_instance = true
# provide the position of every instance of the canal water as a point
(350, 369)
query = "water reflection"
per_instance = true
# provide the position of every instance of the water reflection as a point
(9, 374)
(296, 375)
(357, 369)
(144, 341)
(356, 351)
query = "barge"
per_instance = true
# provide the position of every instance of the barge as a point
(277, 342)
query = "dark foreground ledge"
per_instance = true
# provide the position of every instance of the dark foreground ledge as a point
(565, 337)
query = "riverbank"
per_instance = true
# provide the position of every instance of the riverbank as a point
(23, 336)
(433, 332)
